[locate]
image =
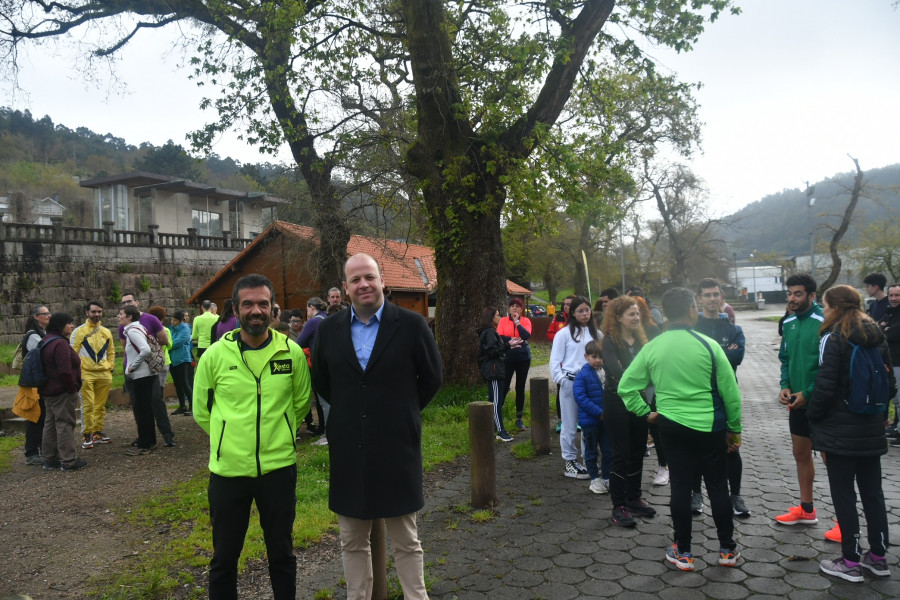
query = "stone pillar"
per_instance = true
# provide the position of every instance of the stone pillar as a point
(226, 235)
(56, 223)
(154, 234)
(192, 236)
(108, 231)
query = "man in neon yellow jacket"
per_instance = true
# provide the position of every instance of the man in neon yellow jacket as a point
(250, 392)
(94, 345)
(699, 416)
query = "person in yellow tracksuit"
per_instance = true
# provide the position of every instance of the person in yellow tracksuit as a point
(94, 344)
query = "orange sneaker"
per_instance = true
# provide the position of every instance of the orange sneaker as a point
(797, 516)
(834, 534)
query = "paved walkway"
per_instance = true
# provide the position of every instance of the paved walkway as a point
(550, 537)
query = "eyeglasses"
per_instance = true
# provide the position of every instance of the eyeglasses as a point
(295, 321)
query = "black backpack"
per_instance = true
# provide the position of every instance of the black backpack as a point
(33, 374)
(868, 387)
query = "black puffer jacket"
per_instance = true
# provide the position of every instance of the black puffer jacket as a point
(833, 428)
(890, 324)
(491, 352)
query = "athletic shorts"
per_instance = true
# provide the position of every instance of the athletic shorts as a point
(798, 422)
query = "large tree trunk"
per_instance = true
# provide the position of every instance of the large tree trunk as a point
(842, 229)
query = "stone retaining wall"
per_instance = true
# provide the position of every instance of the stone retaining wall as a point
(64, 276)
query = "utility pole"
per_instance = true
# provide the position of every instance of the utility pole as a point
(810, 200)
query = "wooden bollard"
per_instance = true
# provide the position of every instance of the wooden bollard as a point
(540, 415)
(481, 447)
(379, 560)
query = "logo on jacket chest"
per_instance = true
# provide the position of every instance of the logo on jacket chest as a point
(281, 367)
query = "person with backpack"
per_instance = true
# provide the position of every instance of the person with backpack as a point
(137, 352)
(315, 314)
(62, 367)
(846, 421)
(35, 330)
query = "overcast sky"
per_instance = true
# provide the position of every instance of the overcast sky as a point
(790, 87)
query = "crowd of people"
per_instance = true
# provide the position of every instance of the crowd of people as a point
(638, 382)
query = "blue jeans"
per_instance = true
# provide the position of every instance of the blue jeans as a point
(594, 437)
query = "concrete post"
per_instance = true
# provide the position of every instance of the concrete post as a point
(56, 223)
(192, 236)
(108, 231)
(154, 234)
(540, 415)
(481, 449)
(378, 541)
(226, 235)
(2, 227)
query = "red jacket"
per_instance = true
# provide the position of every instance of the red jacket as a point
(558, 323)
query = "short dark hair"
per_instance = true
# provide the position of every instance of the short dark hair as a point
(706, 283)
(317, 303)
(876, 279)
(132, 311)
(515, 302)
(804, 279)
(87, 307)
(610, 293)
(253, 280)
(58, 322)
(677, 303)
(178, 315)
(594, 348)
(297, 313)
(487, 316)
(206, 304)
(893, 285)
(635, 291)
(133, 297)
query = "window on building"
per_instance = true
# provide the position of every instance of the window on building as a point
(207, 223)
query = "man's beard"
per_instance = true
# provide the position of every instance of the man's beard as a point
(253, 329)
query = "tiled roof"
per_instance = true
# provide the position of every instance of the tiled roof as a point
(404, 266)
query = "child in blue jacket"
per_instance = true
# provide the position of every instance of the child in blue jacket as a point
(589, 395)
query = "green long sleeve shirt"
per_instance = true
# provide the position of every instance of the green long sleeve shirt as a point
(681, 368)
(799, 353)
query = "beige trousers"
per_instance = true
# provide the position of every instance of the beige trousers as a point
(357, 555)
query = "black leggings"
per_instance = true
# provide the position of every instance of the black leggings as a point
(866, 471)
(735, 473)
(520, 369)
(628, 439)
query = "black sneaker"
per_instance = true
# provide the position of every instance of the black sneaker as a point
(75, 466)
(740, 509)
(54, 465)
(170, 443)
(696, 503)
(179, 411)
(621, 517)
(639, 508)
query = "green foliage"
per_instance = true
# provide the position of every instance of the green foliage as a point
(124, 268)
(115, 293)
(9, 444)
(169, 159)
(144, 283)
(524, 450)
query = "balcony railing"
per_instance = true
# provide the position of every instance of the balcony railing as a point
(58, 233)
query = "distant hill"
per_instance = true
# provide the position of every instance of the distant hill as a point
(779, 222)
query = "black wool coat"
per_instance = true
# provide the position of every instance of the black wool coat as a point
(374, 426)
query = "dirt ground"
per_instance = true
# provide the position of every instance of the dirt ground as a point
(59, 529)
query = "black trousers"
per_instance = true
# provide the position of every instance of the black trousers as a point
(628, 439)
(866, 472)
(141, 406)
(735, 474)
(34, 432)
(689, 451)
(183, 377)
(158, 411)
(518, 368)
(230, 499)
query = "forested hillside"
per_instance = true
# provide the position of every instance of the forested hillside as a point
(780, 223)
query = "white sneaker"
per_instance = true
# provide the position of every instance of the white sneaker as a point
(322, 441)
(662, 476)
(599, 486)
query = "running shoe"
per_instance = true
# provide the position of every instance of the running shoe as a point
(504, 437)
(99, 437)
(599, 486)
(621, 517)
(839, 567)
(683, 560)
(558, 426)
(520, 425)
(834, 534)
(797, 516)
(575, 470)
(696, 503)
(740, 509)
(662, 476)
(640, 508)
(875, 566)
(729, 558)
(88, 442)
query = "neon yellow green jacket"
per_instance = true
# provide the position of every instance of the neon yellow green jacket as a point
(251, 417)
(680, 366)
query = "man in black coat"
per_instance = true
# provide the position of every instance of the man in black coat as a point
(378, 366)
(890, 324)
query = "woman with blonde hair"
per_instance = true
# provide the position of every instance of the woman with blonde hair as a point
(850, 436)
(623, 338)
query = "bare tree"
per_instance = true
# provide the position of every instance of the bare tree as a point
(836, 262)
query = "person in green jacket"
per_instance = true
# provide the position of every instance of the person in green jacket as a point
(250, 392)
(799, 355)
(200, 334)
(698, 412)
